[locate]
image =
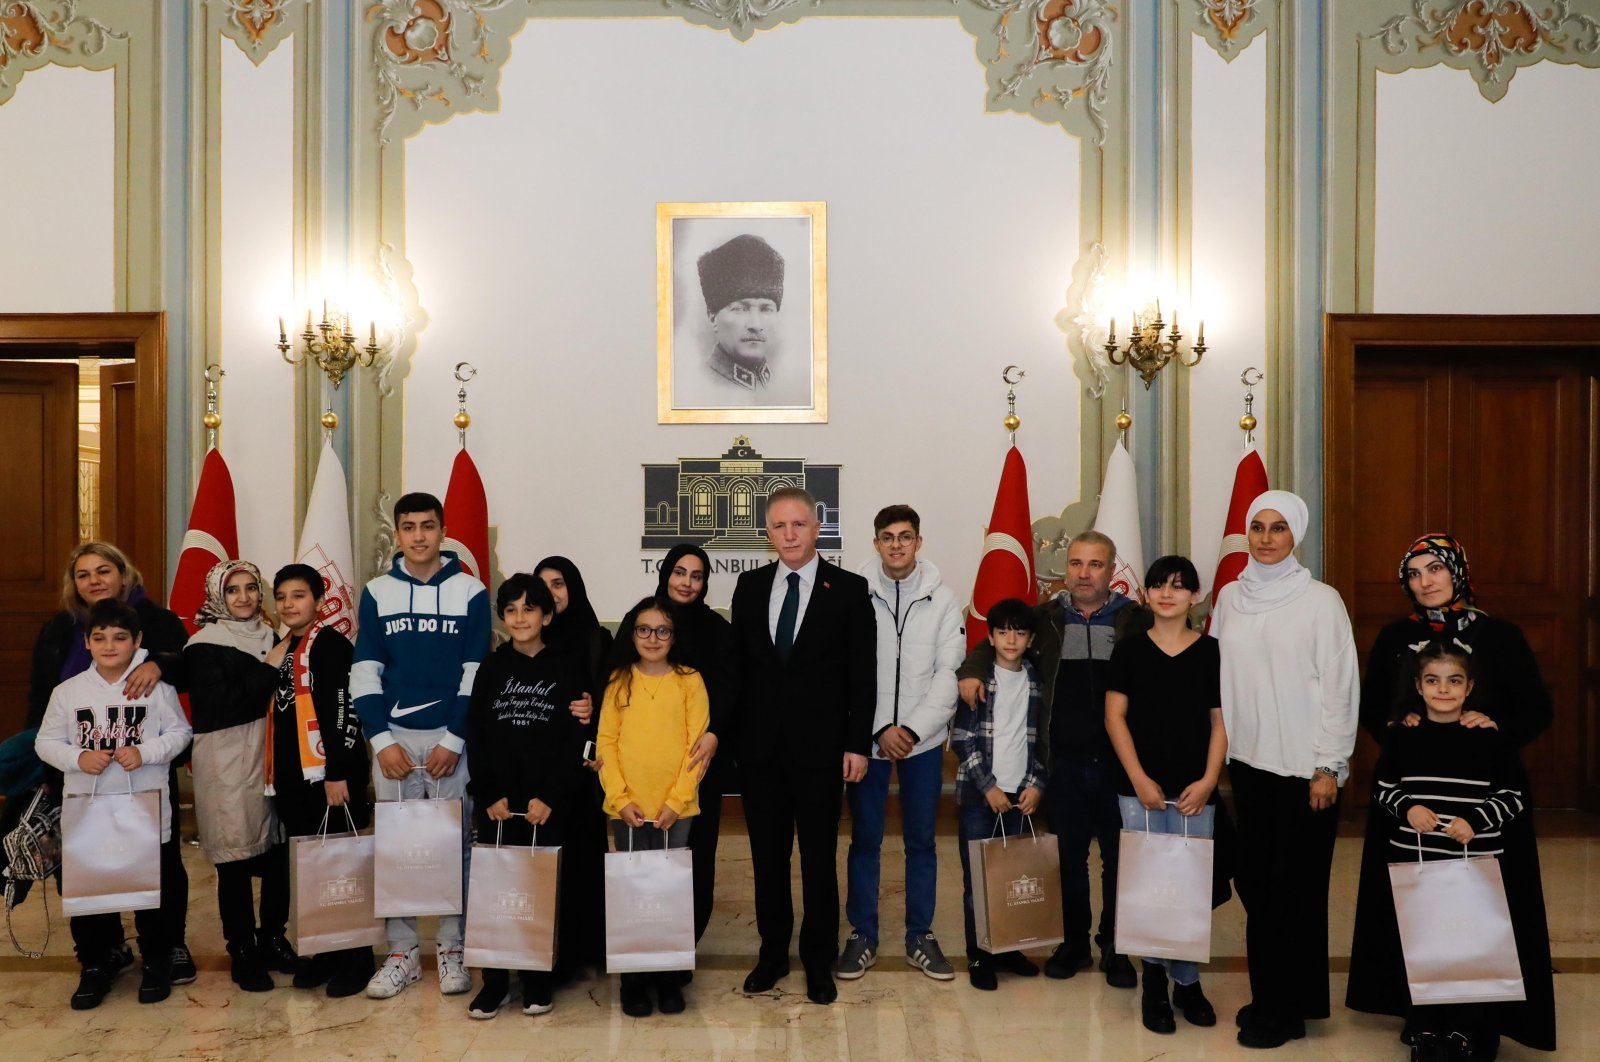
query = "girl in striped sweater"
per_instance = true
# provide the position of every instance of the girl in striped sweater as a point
(1450, 786)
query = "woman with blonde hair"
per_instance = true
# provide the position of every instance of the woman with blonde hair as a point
(98, 571)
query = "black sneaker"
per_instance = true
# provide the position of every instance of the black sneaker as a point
(183, 971)
(1066, 961)
(1014, 962)
(496, 993)
(312, 971)
(1155, 1010)
(1118, 970)
(350, 973)
(537, 993)
(980, 974)
(635, 996)
(93, 984)
(156, 984)
(669, 995)
(276, 953)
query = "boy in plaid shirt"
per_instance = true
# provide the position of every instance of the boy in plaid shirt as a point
(1001, 751)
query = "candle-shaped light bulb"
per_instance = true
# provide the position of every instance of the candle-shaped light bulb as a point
(1202, 336)
(324, 311)
(308, 322)
(374, 337)
(1174, 322)
(1111, 330)
(1158, 309)
(283, 337)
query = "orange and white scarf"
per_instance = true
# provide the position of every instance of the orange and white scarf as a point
(313, 757)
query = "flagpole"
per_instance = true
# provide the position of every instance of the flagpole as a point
(1247, 423)
(1012, 421)
(212, 420)
(463, 420)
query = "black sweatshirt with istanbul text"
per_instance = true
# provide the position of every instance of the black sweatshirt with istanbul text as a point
(523, 741)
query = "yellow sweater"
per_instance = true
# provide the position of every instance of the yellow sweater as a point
(644, 741)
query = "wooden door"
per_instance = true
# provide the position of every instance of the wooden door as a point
(119, 463)
(39, 482)
(1491, 446)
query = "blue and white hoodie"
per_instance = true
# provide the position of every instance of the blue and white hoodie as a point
(417, 652)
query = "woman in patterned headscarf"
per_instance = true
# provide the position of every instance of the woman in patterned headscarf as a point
(1508, 694)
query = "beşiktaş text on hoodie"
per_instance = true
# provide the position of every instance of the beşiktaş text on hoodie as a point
(87, 712)
(417, 652)
(921, 642)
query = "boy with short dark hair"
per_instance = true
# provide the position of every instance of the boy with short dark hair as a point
(1001, 745)
(92, 733)
(424, 628)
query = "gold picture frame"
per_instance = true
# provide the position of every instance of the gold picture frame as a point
(777, 371)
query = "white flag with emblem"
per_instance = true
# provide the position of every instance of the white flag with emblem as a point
(325, 543)
(1118, 519)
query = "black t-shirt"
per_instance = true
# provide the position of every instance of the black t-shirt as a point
(1170, 699)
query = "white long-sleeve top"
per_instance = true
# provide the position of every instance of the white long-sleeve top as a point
(87, 712)
(1290, 682)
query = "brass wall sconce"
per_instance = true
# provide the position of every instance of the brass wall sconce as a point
(1147, 351)
(330, 345)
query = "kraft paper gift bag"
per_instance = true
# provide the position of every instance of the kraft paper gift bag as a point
(1164, 895)
(1455, 931)
(1016, 890)
(649, 910)
(110, 851)
(330, 892)
(417, 857)
(511, 921)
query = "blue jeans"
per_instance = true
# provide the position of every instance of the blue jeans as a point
(976, 823)
(921, 779)
(1081, 802)
(1169, 820)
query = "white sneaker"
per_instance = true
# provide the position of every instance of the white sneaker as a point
(453, 976)
(400, 969)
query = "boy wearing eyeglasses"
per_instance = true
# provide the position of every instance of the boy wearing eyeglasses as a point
(921, 642)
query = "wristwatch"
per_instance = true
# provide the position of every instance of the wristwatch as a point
(1329, 771)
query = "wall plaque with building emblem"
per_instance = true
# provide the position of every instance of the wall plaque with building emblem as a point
(720, 503)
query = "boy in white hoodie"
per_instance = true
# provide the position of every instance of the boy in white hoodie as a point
(920, 644)
(93, 734)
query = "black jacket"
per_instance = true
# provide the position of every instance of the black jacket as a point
(301, 803)
(818, 704)
(164, 637)
(523, 740)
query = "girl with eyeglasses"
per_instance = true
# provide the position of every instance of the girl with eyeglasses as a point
(653, 712)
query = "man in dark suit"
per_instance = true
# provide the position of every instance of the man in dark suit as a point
(804, 650)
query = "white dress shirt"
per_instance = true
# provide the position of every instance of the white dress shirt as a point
(780, 589)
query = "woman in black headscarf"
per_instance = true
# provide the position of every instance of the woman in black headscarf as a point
(704, 642)
(1509, 694)
(576, 632)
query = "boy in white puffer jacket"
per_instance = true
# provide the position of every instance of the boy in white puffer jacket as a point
(921, 642)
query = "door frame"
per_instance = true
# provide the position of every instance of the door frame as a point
(1345, 336)
(142, 337)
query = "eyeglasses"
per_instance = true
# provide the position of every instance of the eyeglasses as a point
(904, 538)
(643, 632)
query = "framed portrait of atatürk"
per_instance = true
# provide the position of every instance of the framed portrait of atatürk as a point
(741, 313)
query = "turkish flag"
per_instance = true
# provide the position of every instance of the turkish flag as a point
(1007, 566)
(1249, 481)
(213, 536)
(466, 517)
(325, 544)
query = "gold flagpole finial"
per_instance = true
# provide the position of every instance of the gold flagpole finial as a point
(463, 420)
(1012, 421)
(1247, 423)
(212, 420)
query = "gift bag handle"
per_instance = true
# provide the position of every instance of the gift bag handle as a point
(1000, 826)
(400, 786)
(348, 818)
(1419, 847)
(666, 842)
(1185, 818)
(94, 785)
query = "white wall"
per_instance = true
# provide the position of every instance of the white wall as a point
(1229, 231)
(952, 234)
(257, 274)
(58, 172)
(1487, 207)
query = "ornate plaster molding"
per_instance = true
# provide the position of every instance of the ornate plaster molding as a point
(1064, 55)
(1229, 25)
(383, 541)
(35, 33)
(1492, 38)
(442, 57)
(743, 17)
(1082, 316)
(256, 26)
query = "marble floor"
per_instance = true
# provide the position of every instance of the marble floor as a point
(893, 1012)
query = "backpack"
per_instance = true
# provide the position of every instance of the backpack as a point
(33, 853)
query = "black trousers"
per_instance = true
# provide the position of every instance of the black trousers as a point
(94, 937)
(703, 842)
(1285, 854)
(180, 876)
(781, 802)
(1081, 803)
(236, 900)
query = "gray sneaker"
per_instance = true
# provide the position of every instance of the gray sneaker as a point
(859, 954)
(923, 952)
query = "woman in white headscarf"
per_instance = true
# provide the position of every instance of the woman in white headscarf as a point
(1290, 696)
(230, 688)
